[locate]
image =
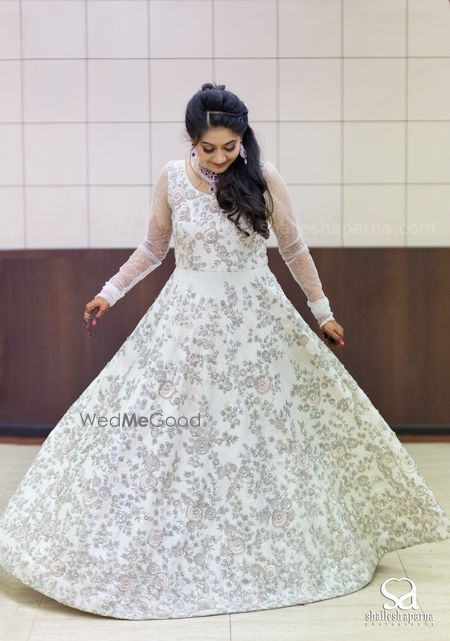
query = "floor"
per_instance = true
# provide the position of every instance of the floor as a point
(27, 615)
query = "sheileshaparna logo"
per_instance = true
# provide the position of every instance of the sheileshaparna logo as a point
(400, 608)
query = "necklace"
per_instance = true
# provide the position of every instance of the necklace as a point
(208, 175)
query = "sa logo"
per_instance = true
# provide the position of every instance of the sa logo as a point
(398, 601)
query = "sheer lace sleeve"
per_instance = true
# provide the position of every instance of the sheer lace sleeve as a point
(293, 248)
(151, 252)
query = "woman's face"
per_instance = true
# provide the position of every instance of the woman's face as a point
(217, 148)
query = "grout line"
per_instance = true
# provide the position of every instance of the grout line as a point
(177, 122)
(87, 130)
(299, 184)
(342, 131)
(407, 575)
(149, 95)
(22, 128)
(213, 40)
(277, 83)
(34, 618)
(406, 129)
(176, 59)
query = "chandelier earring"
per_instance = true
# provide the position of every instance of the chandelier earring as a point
(243, 153)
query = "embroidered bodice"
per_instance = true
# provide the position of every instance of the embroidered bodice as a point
(206, 240)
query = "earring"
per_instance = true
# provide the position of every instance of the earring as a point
(243, 153)
(193, 152)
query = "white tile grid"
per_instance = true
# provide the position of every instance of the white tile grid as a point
(347, 97)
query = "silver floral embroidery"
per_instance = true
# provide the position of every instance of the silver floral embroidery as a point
(211, 235)
(262, 384)
(166, 389)
(148, 481)
(290, 490)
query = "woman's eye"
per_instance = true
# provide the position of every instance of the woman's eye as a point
(209, 151)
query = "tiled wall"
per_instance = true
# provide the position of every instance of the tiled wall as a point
(349, 98)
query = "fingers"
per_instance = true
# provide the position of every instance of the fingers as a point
(88, 321)
(93, 311)
(333, 339)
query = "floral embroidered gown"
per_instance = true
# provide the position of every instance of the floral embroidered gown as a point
(256, 474)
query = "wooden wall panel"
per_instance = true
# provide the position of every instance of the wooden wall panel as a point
(392, 302)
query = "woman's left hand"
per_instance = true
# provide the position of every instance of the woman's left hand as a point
(334, 330)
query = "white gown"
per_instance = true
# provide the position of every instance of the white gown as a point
(224, 460)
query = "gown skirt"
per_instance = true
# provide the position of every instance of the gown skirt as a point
(223, 460)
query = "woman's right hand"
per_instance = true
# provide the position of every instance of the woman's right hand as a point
(96, 308)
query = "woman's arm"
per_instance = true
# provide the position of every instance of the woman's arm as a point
(293, 248)
(151, 252)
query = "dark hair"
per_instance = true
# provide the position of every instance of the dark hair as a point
(240, 189)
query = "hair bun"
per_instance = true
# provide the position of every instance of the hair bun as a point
(210, 85)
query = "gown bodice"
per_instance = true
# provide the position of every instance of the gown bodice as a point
(204, 238)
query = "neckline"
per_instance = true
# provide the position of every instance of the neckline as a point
(188, 180)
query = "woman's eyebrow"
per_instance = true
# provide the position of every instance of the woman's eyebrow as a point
(210, 143)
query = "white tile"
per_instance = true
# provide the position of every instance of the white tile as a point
(318, 211)
(310, 152)
(169, 141)
(429, 28)
(118, 216)
(374, 89)
(267, 139)
(374, 28)
(310, 89)
(9, 29)
(429, 88)
(118, 90)
(429, 152)
(320, 214)
(181, 28)
(430, 572)
(55, 154)
(428, 215)
(18, 607)
(57, 622)
(11, 157)
(374, 152)
(53, 29)
(119, 154)
(233, 38)
(56, 217)
(12, 234)
(320, 621)
(54, 90)
(117, 29)
(309, 27)
(10, 91)
(374, 216)
(244, 78)
(173, 83)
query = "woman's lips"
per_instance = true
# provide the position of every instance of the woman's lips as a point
(222, 165)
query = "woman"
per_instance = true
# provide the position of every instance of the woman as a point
(224, 460)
